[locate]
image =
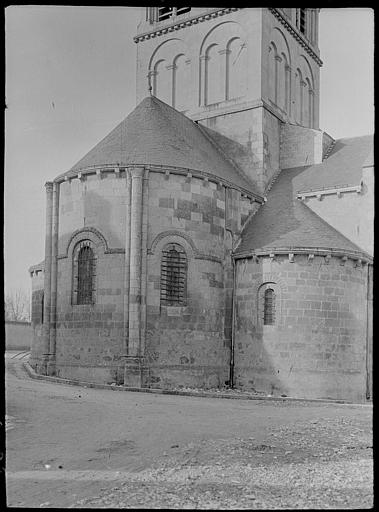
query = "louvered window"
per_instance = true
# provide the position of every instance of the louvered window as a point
(269, 307)
(173, 276)
(301, 20)
(165, 13)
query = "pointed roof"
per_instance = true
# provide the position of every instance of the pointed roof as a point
(285, 222)
(157, 134)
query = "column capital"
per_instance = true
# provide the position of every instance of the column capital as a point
(49, 186)
(137, 172)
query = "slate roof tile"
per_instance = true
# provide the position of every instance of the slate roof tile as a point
(155, 133)
(342, 167)
(284, 221)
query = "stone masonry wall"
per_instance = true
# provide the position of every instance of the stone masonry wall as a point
(37, 318)
(189, 345)
(300, 146)
(317, 347)
(351, 213)
(258, 133)
(89, 338)
(95, 200)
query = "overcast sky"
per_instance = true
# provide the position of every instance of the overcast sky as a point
(70, 79)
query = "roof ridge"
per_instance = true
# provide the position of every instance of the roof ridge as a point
(329, 150)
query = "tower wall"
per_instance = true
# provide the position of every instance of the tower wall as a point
(241, 72)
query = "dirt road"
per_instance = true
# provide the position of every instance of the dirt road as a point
(70, 447)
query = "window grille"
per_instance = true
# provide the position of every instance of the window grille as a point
(85, 275)
(269, 307)
(173, 276)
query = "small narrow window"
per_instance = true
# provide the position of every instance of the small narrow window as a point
(85, 275)
(164, 13)
(42, 305)
(302, 24)
(173, 276)
(269, 307)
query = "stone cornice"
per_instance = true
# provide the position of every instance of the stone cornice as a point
(179, 24)
(229, 107)
(296, 34)
(357, 256)
(120, 168)
(336, 189)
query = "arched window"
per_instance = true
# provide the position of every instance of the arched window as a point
(269, 307)
(268, 302)
(173, 276)
(213, 77)
(299, 96)
(84, 274)
(180, 82)
(236, 68)
(162, 88)
(272, 73)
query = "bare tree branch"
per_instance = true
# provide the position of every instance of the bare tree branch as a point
(17, 305)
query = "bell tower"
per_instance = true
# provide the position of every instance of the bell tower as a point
(241, 72)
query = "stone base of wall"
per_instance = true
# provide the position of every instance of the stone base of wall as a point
(320, 385)
(38, 364)
(95, 374)
(169, 377)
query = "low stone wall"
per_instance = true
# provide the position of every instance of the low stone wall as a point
(18, 335)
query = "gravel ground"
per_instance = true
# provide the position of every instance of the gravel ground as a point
(318, 464)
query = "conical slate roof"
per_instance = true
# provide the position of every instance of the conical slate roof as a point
(155, 133)
(285, 222)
